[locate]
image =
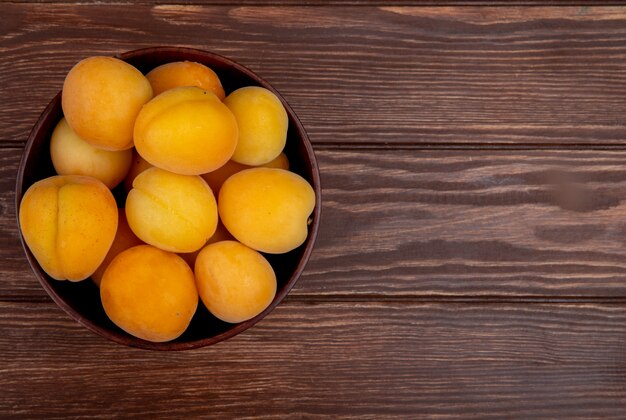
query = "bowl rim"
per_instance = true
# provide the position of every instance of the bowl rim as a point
(125, 338)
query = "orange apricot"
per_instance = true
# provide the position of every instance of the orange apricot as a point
(101, 99)
(186, 130)
(176, 213)
(137, 166)
(267, 209)
(216, 178)
(149, 293)
(185, 73)
(124, 239)
(262, 122)
(221, 234)
(68, 222)
(72, 155)
(235, 282)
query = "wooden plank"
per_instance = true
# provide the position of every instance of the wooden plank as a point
(366, 75)
(370, 3)
(455, 223)
(440, 224)
(339, 360)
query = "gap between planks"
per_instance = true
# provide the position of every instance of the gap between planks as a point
(339, 298)
(331, 3)
(14, 144)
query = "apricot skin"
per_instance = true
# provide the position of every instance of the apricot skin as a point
(221, 234)
(176, 213)
(137, 166)
(149, 293)
(185, 73)
(68, 222)
(262, 122)
(186, 130)
(216, 178)
(280, 162)
(124, 239)
(101, 99)
(72, 155)
(267, 209)
(235, 283)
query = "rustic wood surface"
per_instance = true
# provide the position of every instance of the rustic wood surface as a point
(417, 76)
(472, 256)
(362, 360)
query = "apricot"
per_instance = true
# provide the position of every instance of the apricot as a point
(267, 209)
(124, 239)
(68, 222)
(221, 234)
(176, 213)
(186, 130)
(280, 162)
(262, 122)
(72, 155)
(101, 99)
(216, 178)
(235, 283)
(149, 293)
(185, 73)
(137, 166)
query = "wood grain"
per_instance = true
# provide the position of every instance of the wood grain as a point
(330, 360)
(327, 3)
(366, 75)
(440, 224)
(479, 223)
(460, 191)
(584, 5)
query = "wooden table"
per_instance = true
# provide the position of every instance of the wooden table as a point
(472, 255)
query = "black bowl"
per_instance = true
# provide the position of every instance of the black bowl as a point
(82, 300)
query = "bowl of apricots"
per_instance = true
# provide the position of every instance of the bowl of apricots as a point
(168, 198)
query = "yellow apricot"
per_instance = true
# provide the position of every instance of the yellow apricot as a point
(267, 209)
(72, 155)
(185, 73)
(137, 166)
(101, 99)
(280, 162)
(173, 212)
(216, 178)
(235, 283)
(68, 222)
(221, 234)
(186, 130)
(124, 239)
(262, 122)
(149, 293)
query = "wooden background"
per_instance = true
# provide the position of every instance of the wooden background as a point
(472, 255)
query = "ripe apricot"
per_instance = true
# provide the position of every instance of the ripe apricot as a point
(267, 209)
(68, 222)
(235, 283)
(186, 130)
(262, 122)
(176, 213)
(185, 73)
(72, 155)
(101, 99)
(149, 293)
(221, 234)
(216, 178)
(137, 166)
(280, 162)
(124, 239)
